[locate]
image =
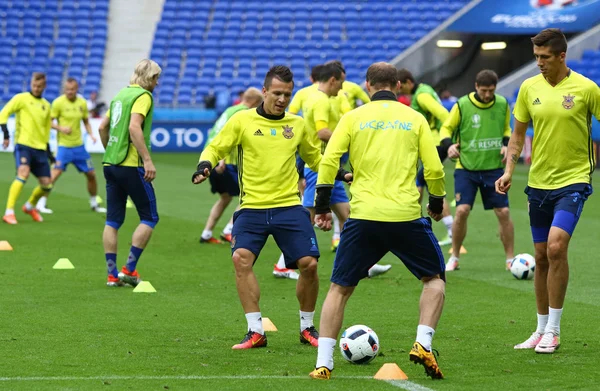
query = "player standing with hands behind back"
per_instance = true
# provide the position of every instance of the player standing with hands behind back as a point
(560, 103)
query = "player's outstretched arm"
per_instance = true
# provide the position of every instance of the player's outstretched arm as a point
(11, 107)
(515, 147)
(430, 104)
(5, 135)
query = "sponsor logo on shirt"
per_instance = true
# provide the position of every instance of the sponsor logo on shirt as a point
(537, 101)
(258, 133)
(476, 119)
(115, 113)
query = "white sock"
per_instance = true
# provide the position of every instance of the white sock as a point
(424, 336)
(542, 322)
(281, 262)
(28, 205)
(306, 319)
(206, 234)
(255, 322)
(448, 221)
(9, 212)
(42, 202)
(228, 228)
(452, 258)
(93, 202)
(336, 227)
(554, 320)
(325, 352)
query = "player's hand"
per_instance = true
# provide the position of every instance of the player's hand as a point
(94, 139)
(434, 216)
(5, 143)
(504, 153)
(324, 221)
(200, 177)
(66, 129)
(150, 171)
(220, 168)
(503, 183)
(454, 151)
(348, 178)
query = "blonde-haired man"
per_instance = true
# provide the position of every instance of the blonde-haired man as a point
(128, 169)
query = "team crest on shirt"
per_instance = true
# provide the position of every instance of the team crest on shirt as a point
(567, 102)
(287, 132)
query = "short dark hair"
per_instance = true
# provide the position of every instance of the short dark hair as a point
(381, 75)
(486, 78)
(281, 72)
(71, 80)
(404, 74)
(314, 73)
(552, 38)
(38, 76)
(337, 63)
(328, 71)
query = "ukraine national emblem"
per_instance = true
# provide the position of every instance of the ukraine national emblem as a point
(567, 102)
(287, 132)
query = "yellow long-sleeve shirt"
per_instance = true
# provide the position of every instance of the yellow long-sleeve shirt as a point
(354, 92)
(385, 139)
(33, 119)
(266, 146)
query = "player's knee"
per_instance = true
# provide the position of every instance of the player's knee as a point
(114, 224)
(462, 212)
(308, 266)
(502, 213)
(91, 175)
(242, 259)
(556, 251)
(435, 283)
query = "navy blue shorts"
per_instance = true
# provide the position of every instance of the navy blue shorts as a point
(467, 183)
(363, 243)
(122, 182)
(556, 208)
(77, 156)
(36, 159)
(338, 194)
(421, 178)
(226, 182)
(290, 226)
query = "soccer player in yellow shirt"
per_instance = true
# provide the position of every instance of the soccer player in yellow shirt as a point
(31, 145)
(560, 102)
(267, 139)
(70, 110)
(129, 170)
(427, 102)
(476, 134)
(386, 213)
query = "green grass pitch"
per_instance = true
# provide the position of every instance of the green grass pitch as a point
(64, 329)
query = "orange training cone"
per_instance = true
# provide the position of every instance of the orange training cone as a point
(5, 246)
(268, 325)
(390, 371)
(463, 250)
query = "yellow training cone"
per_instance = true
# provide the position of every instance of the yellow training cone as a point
(63, 263)
(463, 250)
(268, 325)
(144, 287)
(390, 371)
(5, 246)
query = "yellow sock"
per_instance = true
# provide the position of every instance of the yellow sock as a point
(14, 192)
(37, 193)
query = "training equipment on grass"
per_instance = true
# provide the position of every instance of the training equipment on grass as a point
(359, 344)
(5, 246)
(390, 371)
(63, 263)
(144, 287)
(463, 250)
(523, 267)
(268, 325)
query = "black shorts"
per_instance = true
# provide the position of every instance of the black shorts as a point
(363, 243)
(226, 182)
(467, 183)
(122, 182)
(36, 159)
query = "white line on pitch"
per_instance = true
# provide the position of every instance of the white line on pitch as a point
(408, 385)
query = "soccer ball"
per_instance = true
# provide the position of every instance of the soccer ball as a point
(359, 344)
(523, 267)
